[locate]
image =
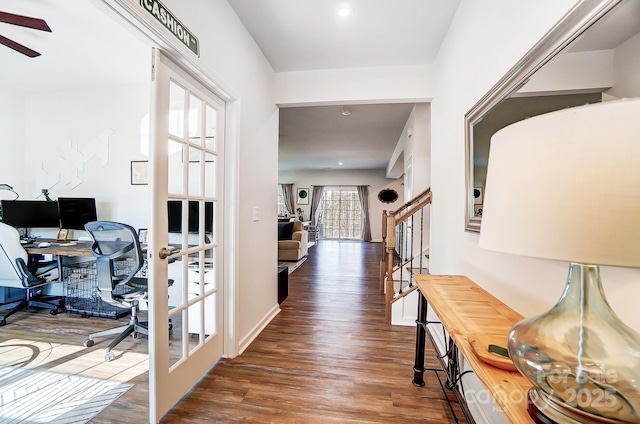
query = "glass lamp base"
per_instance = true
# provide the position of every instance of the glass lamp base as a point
(583, 362)
(544, 410)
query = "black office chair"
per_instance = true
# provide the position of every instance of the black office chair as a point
(14, 272)
(119, 257)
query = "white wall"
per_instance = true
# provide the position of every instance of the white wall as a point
(375, 178)
(12, 108)
(574, 71)
(627, 63)
(49, 133)
(404, 84)
(62, 127)
(418, 148)
(484, 41)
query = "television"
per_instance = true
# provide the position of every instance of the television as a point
(30, 213)
(174, 214)
(75, 212)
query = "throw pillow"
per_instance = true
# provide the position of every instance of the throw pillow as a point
(285, 230)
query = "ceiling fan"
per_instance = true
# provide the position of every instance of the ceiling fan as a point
(23, 21)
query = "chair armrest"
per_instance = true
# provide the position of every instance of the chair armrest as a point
(291, 244)
(301, 236)
(28, 279)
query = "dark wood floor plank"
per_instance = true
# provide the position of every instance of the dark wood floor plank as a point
(328, 357)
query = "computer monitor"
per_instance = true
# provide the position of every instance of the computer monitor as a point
(75, 212)
(30, 213)
(174, 214)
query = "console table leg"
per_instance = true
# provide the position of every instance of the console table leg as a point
(421, 328)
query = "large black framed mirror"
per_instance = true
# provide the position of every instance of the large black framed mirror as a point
(591, 55)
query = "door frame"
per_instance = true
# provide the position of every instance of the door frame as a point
(129, 14)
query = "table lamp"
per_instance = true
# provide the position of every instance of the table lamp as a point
(566, 186)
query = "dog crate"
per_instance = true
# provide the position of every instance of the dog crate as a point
(82, 294)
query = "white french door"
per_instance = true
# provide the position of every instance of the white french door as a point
(187, 158)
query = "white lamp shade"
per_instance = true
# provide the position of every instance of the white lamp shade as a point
(566, 185)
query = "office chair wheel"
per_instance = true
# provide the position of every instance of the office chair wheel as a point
(53, 312)
(109, 357)
(89, 343)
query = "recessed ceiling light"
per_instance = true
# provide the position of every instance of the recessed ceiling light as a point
(343, 11)
(340, 163)
(346, 111)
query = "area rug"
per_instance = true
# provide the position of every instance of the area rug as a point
(291, 264)
(33, 396)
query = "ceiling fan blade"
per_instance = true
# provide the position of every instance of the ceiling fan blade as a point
(18, 47)
(24, 21)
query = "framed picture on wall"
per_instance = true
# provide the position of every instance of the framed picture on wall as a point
(139, 172)
(477, 195)
(303, 196)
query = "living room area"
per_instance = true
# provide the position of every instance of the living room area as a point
(340, 167)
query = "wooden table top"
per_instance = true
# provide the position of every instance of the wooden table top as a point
(60, 248)
(465, 308)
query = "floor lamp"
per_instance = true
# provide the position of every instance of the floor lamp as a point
(566, 186)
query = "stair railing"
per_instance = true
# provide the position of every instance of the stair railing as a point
(403, 249)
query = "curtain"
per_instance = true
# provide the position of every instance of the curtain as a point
(289, 202)
(316, 196)
(363, 193)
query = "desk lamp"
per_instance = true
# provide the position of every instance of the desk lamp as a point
(566, 186)
(9, 188)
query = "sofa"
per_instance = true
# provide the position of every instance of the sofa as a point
(292, 241)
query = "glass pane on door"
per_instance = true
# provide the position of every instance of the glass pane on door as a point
(340, 214)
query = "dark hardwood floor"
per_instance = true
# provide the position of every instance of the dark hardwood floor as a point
(328, 357)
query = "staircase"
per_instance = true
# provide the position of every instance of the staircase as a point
(405, 252)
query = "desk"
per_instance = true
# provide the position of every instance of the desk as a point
(465, 308)
(60, 250)
(78, 248)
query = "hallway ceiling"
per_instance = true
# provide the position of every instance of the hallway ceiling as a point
(310, 35)
(322, 138)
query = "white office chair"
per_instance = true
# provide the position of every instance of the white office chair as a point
(15, 273)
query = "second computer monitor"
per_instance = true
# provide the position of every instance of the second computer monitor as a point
(174, 210)
(75, 212)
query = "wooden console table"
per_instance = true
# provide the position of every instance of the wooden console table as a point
(464, 308)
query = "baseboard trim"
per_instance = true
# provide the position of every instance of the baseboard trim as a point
(246, 341)
(405, 322)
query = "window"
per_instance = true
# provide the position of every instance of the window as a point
(282, 209)
(340, 214)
